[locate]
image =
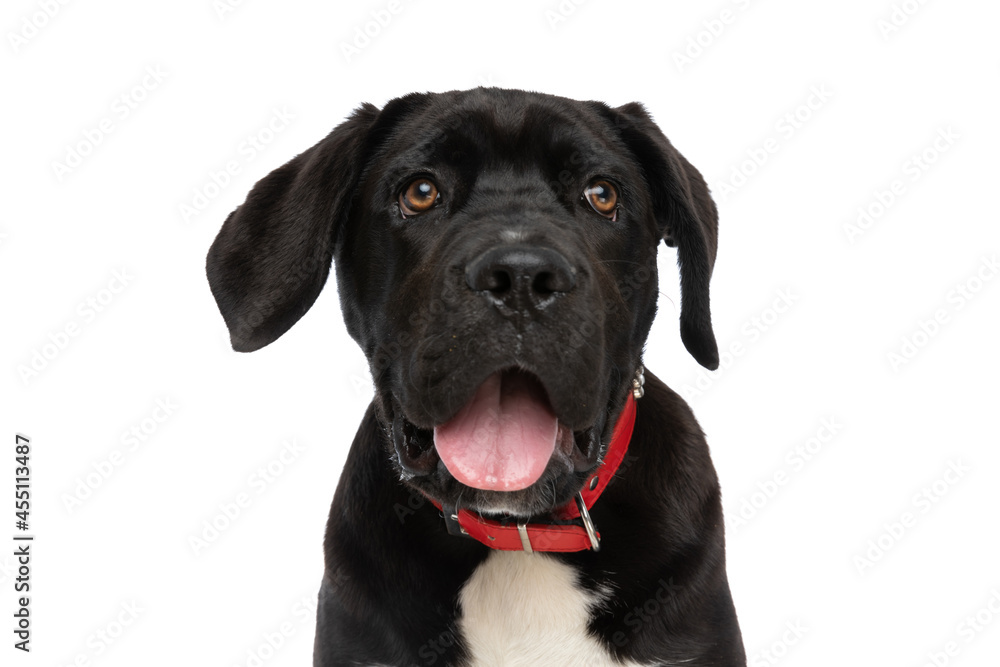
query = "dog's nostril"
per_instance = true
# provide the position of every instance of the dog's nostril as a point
(544, 283)
(547, 282)
(499, 282)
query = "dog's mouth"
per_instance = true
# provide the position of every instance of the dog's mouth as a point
(505, 439)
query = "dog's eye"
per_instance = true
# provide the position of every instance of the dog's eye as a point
(418, 197)
(603, 198)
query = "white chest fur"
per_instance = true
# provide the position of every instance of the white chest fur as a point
(523, 609)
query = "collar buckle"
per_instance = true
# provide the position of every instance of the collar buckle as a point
(450, 513)
(588, 523)
(522, 531)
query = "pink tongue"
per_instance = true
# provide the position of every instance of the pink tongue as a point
(503, 438)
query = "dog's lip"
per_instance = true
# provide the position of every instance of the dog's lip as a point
(431, 421)
(576, 450)
(418, 456)
(414, 447)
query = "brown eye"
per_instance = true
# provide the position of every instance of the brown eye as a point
(418, 197)
(603, 198)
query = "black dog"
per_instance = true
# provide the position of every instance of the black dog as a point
(496, 261)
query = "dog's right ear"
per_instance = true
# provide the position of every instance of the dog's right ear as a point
(273, 253)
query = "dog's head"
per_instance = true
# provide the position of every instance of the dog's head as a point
(496, 261)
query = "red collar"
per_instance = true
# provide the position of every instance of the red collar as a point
(569, 534)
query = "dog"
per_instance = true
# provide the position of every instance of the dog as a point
(520, 491)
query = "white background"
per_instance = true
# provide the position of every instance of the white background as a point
(866, 98)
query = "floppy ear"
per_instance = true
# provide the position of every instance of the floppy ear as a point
(273, 254)
(688, 219)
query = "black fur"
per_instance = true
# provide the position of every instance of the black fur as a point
(511, 167)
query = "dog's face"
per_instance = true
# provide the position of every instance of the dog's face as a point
(496, 261)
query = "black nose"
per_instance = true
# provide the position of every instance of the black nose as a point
(521, 276)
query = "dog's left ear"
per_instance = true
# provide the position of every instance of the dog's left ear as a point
(687, 218)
